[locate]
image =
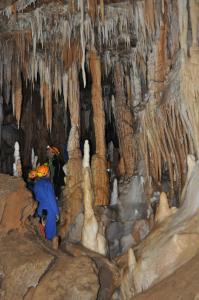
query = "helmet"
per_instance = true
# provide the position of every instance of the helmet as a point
(42, 170)
(53, 150)
(32, 174)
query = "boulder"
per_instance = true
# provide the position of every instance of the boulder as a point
(22, 264)
(16, 203)
(69, 278)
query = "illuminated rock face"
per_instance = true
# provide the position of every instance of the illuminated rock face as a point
(171, 243)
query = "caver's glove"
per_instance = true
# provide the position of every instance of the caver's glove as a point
(57, 218)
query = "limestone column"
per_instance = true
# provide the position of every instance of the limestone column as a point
(99, 163)
(124, 123)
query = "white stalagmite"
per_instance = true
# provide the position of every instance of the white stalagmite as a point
(91, 238)
(34, 159)
(86, 159)
(17, 171)
(114, 194)
(163, 209)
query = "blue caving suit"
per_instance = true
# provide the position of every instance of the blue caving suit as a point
(45, 195)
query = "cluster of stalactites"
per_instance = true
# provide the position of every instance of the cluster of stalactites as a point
(31, 52)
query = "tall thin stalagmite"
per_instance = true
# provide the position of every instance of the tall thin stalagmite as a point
(91, 238)
(99, 164)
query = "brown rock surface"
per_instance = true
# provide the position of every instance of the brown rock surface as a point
(108, 272)
(22, 263)
(69, 278)
(16, 203)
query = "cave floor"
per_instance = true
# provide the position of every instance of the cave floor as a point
(181, 285)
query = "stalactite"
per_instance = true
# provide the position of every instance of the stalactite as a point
(73, 192)
(161, 62)
(99, 164)
(47, 93)
(194, 13)
(124, 123)
(102, 9)
(149, 16)
(92, 9)
(164, 143)
(83, 42)
(65, 89)
(188, 76)
(16, 95)
(183, 24)
(1, 116)
(73, 97)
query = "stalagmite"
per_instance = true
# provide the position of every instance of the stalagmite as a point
(91, 238)
(17, 170)
(127, 264)
(34, 159)
(114, 194)
(163, 209)
(124, 123)
(99, 163)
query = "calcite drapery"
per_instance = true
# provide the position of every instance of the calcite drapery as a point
(99, 163)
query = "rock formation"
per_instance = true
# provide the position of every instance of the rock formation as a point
(91, 237)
